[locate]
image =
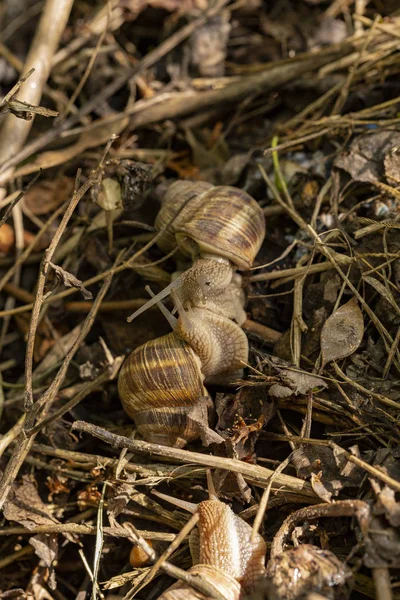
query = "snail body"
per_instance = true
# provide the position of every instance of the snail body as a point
(225, 542)
(222, 542)
(161, 384)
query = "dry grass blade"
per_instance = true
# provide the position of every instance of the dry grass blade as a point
(255, 474)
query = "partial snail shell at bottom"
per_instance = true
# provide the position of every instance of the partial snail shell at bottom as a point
(224, 540)
(221, 582)
(298, 572)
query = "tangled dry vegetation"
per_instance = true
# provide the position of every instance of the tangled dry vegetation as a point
(297, 103)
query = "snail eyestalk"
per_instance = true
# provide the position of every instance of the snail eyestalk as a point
(156, 299)
(167, 313)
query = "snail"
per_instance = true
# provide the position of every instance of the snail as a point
(221, 229)
(221, 548)
(162, 383)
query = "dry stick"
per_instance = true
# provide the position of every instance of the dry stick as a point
(186, 529)
(52, 23)
(293, 272)
(268, 335)
(341, 508)
(385, 28)
(298, 325)
(108, 306)
(166, 472)
(14, 202)
(265, 497)
(37, 305)
(254, 473)
(295, 142)
(88, 70)
(148, 61)
(345, 88)
(82, 529)
(391, 354)
(383, 586)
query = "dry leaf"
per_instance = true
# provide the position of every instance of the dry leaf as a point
(70, 280)
(342, 333)
(382, 290)
(46, 196)
(25, 506)
(364, 160)
(293, 381)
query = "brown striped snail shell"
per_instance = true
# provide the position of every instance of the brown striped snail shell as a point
(180, 197)
(222, 221)
(158, 385)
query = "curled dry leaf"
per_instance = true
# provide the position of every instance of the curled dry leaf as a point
(364, 160)
(70, 280)
(293, 381)
(342, 333)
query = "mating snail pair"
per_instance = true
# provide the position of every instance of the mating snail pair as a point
(162, 383)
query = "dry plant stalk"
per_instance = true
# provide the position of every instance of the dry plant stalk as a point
(45, 43)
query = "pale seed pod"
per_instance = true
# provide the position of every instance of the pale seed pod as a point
(138, 557)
